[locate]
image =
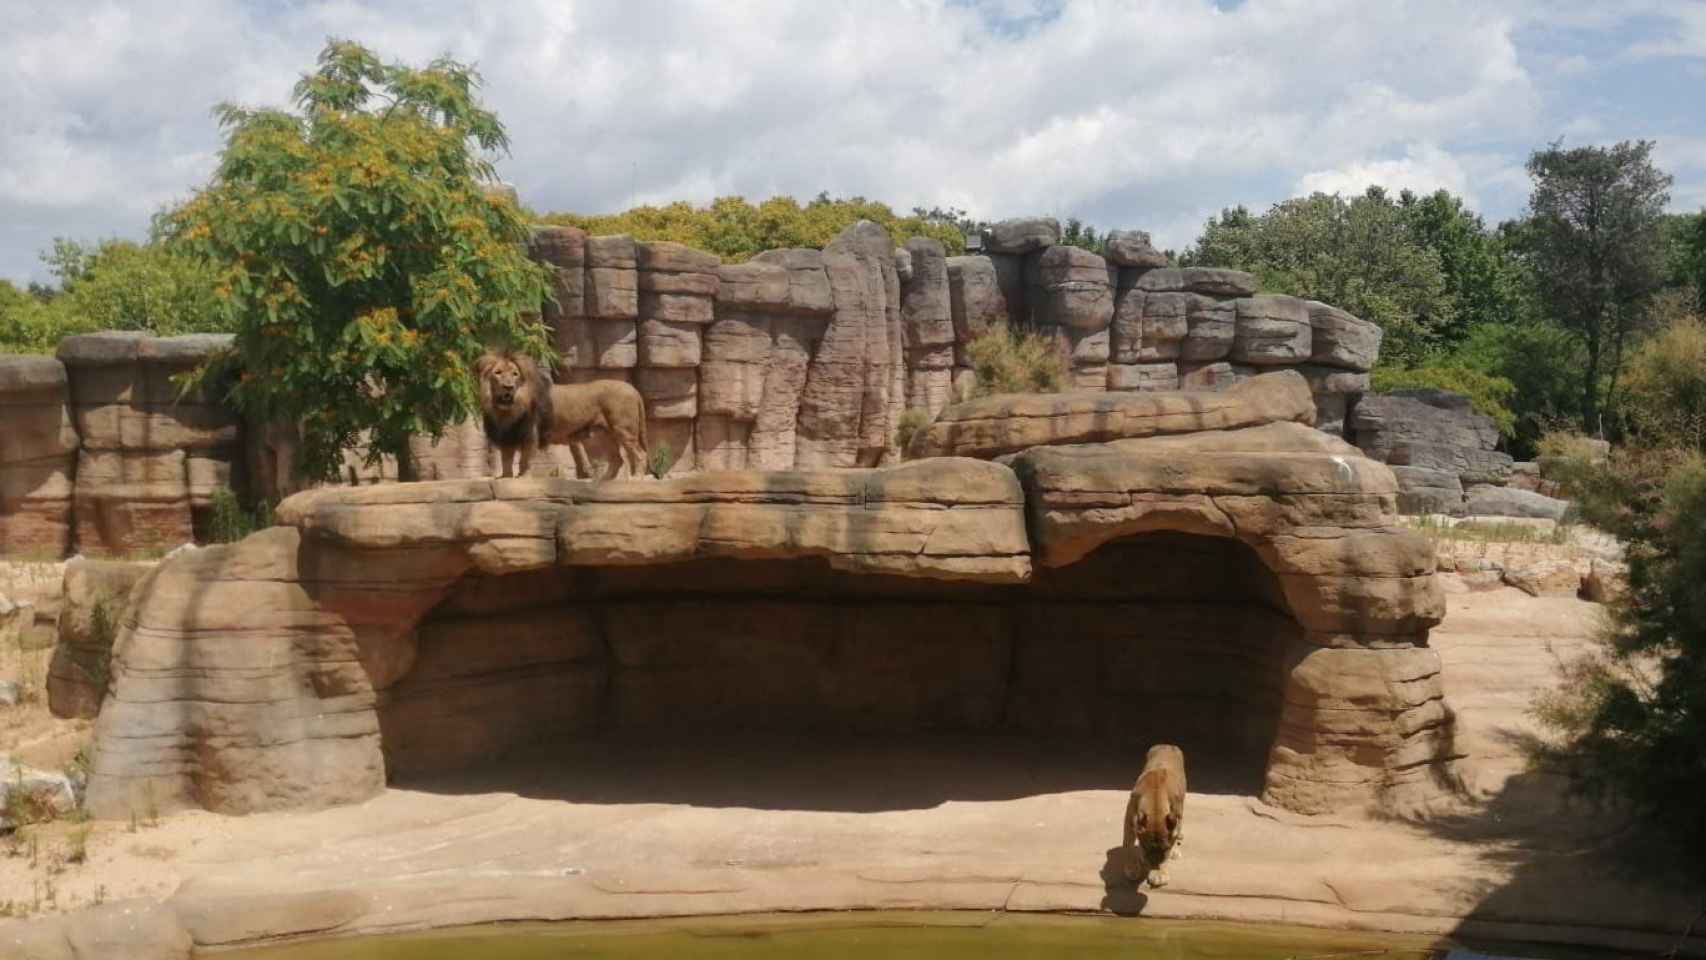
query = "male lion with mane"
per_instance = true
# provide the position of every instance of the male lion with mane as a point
(523, 410)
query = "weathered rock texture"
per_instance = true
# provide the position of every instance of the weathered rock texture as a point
(38, 457)
(95, 596)
(151, 456)
(1242, 587)
(797, 358)
(1444, 445)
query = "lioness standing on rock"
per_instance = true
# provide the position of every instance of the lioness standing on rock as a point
(1155, 815)
(523, 410)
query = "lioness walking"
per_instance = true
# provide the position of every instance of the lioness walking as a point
(1155, 815)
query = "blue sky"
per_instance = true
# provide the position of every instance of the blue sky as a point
(1125, 113)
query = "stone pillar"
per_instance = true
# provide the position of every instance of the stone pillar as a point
(38, 455)
(927, 318)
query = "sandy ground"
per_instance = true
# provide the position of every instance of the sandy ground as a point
(763, 824)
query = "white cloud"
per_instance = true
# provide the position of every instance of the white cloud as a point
(1145, 114)
(1424, 168)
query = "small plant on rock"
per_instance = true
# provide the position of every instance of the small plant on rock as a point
(662, 459)
(910, 423)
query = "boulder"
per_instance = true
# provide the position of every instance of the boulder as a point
(1022, 235)
(612, 281)
(563, 251)
(1143, 376)
(1341, 340)
(1008, 423)
(925, 308)
(754, 285)
(1214, 375)
(1211, 328)
(975, 299)
(1422, 490)
(1487, 500)
(676, 308)
(1435, 429)
(1132, 248)
(40, 793)
(38, 454)
(666, 343)
(1272, 329)
(1072, 290)
(1546, 578)
(1210, 280)
(670, 393)
(1149, 327)
(96, 594)
(808, 285)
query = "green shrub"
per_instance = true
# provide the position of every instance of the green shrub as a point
(1631, 716)
(911, 422)
(1663, 398)
(662, 459)
(229, 521)
(736, 229)
(1487, 393)
(1015, 363)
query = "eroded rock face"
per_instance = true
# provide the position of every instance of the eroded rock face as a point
(38, 456)
(413, 627)
(96, 598)
(1434, 431)
(1012, 422)
(150, 459)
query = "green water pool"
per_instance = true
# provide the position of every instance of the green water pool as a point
(906, 936)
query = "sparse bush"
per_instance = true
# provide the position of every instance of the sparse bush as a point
(77, 845)
(1488, 394)
(1663, 398)
(229, 521)
(1015, 363)
(910, 423)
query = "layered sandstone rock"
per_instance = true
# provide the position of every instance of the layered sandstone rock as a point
(1004, 424)
(95, 596)
(1363, 708)
(151, 457)
(38, 457)
(1430, 430)
(410, 628)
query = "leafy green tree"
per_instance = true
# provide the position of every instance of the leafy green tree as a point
(27, 325)
(120, 285)
(1685, 250)
(1485, 283)
(736, 229)
(1594, 243)
(1361, 254)
(358, 255)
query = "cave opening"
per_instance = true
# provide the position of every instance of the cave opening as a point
(787, 683)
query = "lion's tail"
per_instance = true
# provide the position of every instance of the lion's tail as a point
(645, 447)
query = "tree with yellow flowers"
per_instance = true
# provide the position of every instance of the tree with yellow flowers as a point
(359, 256)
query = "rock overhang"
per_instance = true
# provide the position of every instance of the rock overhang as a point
(253, 676)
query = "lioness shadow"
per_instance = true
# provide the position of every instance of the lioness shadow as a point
(1121, 896)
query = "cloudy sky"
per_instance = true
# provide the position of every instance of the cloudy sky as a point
(1135, 113)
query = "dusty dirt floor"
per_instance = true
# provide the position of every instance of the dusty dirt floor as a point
(628, 829)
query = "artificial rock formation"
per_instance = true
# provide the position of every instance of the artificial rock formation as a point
(38, 457)
(152, 456)
(1237, 586)
(1439, 448)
